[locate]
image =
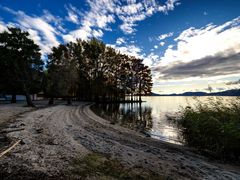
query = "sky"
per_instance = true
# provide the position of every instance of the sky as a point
(188, 44)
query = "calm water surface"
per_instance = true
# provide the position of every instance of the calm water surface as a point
(149, 117)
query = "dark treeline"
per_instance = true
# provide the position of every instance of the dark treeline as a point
(83, 70)
(21, 67)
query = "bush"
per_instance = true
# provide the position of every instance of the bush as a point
(212, 126)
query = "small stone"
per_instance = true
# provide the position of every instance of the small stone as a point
(25, 141)
(40, 130)
(148, 150)
(22, 124)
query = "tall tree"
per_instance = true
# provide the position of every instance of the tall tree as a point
(21, 64)
(92, 71)
(62, 73)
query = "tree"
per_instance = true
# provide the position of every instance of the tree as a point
(209, 88)
(62, 73)
(90, 70)
(21, 64)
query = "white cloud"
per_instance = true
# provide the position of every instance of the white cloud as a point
(211, 44)
(3, 26)
(97, 33)
(82, 33)
(120, 41)
(133, 12)
(130, 50)
(56, 20)
(162, 43)
(47, 28)
(155, 46)
(101, 13)
(39, 28)
(210, 40)
(164, 36)
(48, 32)
(72, 14)
(150, 59)
(94, 21)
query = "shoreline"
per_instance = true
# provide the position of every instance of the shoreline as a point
(54, 136)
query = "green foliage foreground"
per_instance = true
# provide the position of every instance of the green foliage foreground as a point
(213, 126)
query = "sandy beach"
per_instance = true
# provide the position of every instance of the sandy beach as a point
(51, 137)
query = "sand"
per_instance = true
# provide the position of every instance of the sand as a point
(53, 136)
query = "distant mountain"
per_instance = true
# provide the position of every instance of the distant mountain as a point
(155, 94)
(194, 94)
(233, 92)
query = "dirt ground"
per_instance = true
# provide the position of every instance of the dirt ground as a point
(52, 137)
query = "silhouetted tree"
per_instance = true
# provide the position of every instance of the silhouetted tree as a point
(92, 71)
(209, 88)
(62, 73)
(20, 64)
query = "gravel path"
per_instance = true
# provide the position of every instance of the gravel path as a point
(54, 136)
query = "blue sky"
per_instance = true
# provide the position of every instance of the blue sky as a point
(188, 44)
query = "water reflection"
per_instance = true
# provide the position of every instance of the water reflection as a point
(150, 117)
(130, 115)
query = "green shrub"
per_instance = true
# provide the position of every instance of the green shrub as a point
(212, 126)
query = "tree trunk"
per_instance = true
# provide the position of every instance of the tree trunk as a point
(29, 100)
(96, 98)
(14, 98)
(51, 101)
(140, 91)
(69, 101)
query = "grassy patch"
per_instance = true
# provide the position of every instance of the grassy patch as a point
(101, 167)
(213, 126)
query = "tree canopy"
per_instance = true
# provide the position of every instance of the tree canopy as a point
(20, 64)
(90, 70)
(84, 70)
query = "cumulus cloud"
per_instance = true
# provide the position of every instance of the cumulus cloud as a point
(208, 52)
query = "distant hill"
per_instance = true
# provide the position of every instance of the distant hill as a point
(155, 94)
(233, 92)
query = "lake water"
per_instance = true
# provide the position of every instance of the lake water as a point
(149, 117)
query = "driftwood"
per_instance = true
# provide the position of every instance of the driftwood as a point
(10, 148)
(11, 130)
